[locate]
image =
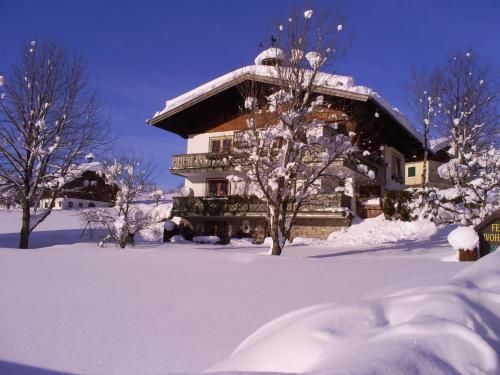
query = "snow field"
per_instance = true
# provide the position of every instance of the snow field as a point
(447, 328)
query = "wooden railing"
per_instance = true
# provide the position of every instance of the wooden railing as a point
(200, 161)
(237, 205)
(211, 160)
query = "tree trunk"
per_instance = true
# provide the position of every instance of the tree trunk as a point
(424, 169)
(276, 248)
(278, 235)
(25, 228)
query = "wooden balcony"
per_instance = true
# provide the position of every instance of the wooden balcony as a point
(236, 205)
(184, 163)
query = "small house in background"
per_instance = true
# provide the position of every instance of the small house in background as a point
(437, 155)
(85, 188)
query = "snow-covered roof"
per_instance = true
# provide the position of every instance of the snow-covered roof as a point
(337, 85)
(438, 144)
(77, 170)
(270, 53)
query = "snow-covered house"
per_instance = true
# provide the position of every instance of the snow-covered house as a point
(437, 156)
(209, 116)
(84, 187)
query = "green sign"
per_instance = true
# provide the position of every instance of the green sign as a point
(489, 234)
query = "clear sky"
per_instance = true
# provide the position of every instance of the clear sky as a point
(143, 52)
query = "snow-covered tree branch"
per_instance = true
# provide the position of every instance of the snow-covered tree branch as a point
(288, 147)
(50, 118)
(462, 103)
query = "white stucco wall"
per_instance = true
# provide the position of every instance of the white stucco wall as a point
(392, 184)
(198, 143)
(197, 184)
(63, 203)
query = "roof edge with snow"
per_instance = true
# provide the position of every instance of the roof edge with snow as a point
(328, 84)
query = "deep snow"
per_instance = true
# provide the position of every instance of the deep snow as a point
(447, 328)
(182, 307)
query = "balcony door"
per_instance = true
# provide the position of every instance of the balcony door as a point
(217, 188)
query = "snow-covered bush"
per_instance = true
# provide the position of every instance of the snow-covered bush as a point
(207, 239)
(127, 218)
(474, 195)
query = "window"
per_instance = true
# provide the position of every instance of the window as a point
(80, 204)
(217, 188)
(91, 204)
(59, 204)
(221, 144)
(70, 204)
(412, 171)
(227, 145)
(396, 166)
(215, 145)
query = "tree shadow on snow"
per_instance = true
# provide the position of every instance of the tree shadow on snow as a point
(40, 239)
(13, 368)
(407, 246)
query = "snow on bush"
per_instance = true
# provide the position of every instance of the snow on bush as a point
(128, 217)
(240, 242)
(464, 238)
(178, 238)
(207, 239)
(451, 328)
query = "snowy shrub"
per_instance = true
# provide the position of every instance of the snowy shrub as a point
(207, 239)
(473, 197)
(128, 218)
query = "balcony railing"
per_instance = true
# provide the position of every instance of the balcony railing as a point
(220, 161)
(239, 205)
(207, 160)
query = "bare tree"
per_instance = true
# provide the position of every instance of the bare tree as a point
(465, 97)
(288, 147)
(132, 177)
(50, 118)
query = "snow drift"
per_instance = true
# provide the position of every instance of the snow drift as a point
(452, 328)
(375, 231)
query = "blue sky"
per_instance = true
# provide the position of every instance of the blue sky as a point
(143, 52)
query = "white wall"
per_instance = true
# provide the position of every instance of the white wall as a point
(63, 203)
(392, 184)
(198, 143)
(197, 184)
